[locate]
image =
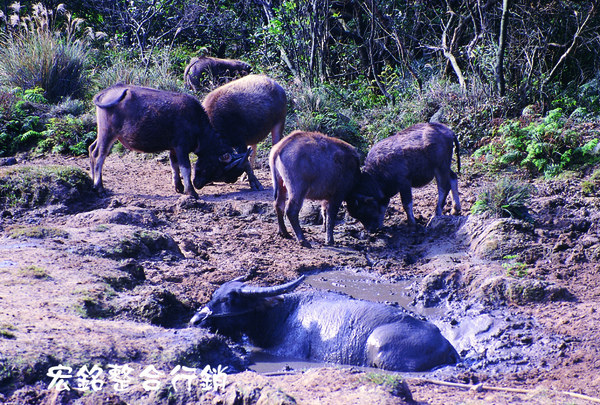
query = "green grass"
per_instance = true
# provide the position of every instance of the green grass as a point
(34, 272)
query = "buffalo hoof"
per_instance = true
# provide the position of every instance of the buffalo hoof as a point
(284, 234)
(256, 186)
(305, 243)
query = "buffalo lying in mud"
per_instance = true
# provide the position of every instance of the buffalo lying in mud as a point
(411, 158)
(314, 166)
(244, 111)
(204, 68)
(325, 326)
(151, 121)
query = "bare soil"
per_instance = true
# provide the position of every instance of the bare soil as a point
(113, 280)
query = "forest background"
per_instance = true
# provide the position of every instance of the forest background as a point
(518, 81)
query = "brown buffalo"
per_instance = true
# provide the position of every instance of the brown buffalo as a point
(244, 111)
(151, 121)
(220, 71)
(411, 158)
(314, 166)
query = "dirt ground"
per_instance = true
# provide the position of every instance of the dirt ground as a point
(113, 280)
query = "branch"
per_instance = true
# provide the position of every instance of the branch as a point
(568, 51)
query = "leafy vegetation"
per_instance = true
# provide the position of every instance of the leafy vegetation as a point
(547, 146)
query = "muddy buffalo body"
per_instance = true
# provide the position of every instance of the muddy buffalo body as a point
(244, 111)
(205, 68)
(411, 158)
(314, 166)
(151, 121)
(325, 326)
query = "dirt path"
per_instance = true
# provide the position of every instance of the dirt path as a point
(114, 281)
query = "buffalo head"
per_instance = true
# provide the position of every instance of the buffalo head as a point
(368, 210)
(235, 299)
(226, 167)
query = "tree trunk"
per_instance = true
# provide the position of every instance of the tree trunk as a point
(500, 82)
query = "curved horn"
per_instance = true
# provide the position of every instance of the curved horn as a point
(258, 292)
(238, 161)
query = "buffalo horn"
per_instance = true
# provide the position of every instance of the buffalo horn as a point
(238, 160)
(258, 292)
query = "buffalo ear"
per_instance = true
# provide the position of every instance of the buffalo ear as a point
(226, 158)
(271, 302)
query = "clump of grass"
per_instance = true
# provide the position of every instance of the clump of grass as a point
(506, 198)
(35, 272)
(591, 187)
(38, 232)
(514, 267)
(36, 186)
(7, 331)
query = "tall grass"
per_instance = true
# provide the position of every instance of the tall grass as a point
(36, 52)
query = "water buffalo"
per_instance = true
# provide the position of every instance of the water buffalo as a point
(208, 68)
(325, 326)
(244, 111)
(149, 120)
(411, 158)
(314, 166)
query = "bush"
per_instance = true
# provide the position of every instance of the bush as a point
(503, 199)
(33, 55)
(20, 123)
(68, 135)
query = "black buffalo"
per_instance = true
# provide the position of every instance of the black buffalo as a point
(151, 121)
(326, 326)
(411, 158)
(221, 71)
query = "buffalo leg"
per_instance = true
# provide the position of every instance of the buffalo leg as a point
(175, 172)
(454, 188)
(180, 162)
(98, 152)
(407, 204)
(280, 196)
(293, 212)
(331, 213)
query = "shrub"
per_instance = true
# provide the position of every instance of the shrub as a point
(505, 198)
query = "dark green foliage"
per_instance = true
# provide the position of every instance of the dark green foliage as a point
(506, 198)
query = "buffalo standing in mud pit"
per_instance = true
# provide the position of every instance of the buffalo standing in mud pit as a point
(314, 166)
(204, 68)
(326, 326)
(411, 158)
(244, 111)
(151, 121)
